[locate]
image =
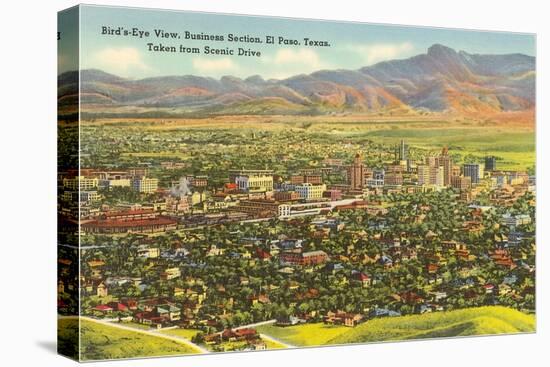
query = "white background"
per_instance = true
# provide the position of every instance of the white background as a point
(28, 176)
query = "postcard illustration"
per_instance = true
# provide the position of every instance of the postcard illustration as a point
(241, 183)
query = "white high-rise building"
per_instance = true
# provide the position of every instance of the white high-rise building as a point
(310, 191)
(253, 180)
(431, 175)
(145, 184)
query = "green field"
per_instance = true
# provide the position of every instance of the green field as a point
(303, 335)
(512, 142)
(514, 149)
(99, 341)
(475, 321)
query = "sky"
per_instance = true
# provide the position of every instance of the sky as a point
(352, 45)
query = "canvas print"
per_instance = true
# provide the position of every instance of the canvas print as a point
(243, 183)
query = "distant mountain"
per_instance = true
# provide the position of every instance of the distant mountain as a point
(440, 80)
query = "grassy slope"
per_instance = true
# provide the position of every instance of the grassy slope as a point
(104, 342)
(67, 337)
(273, 344)
(303, 335)
(474, 321)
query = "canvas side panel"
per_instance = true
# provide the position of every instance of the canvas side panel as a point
(69, 198)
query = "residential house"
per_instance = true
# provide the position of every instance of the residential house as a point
(362, 278)
(101, 290)
(117, 306)
(343, 318)
(169, 312)
(103, 308)
(170, 273)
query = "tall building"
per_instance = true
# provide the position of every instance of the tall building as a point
(455, 171)
(431, 161)
(490, 163)
(374, 177)
(402, 151)
(499, 178)
(474, 171)
(437, 176)
(461, 182)
(357, 173)
(444, 160)
(423, 174)
(430, 175)
(145, 184)
(393, 179)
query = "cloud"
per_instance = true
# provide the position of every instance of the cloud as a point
(214, 66)
(377, 52)
(288, 62)
(121, 61)
(300, 57)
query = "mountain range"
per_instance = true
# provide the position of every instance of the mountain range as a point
(441, 80)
